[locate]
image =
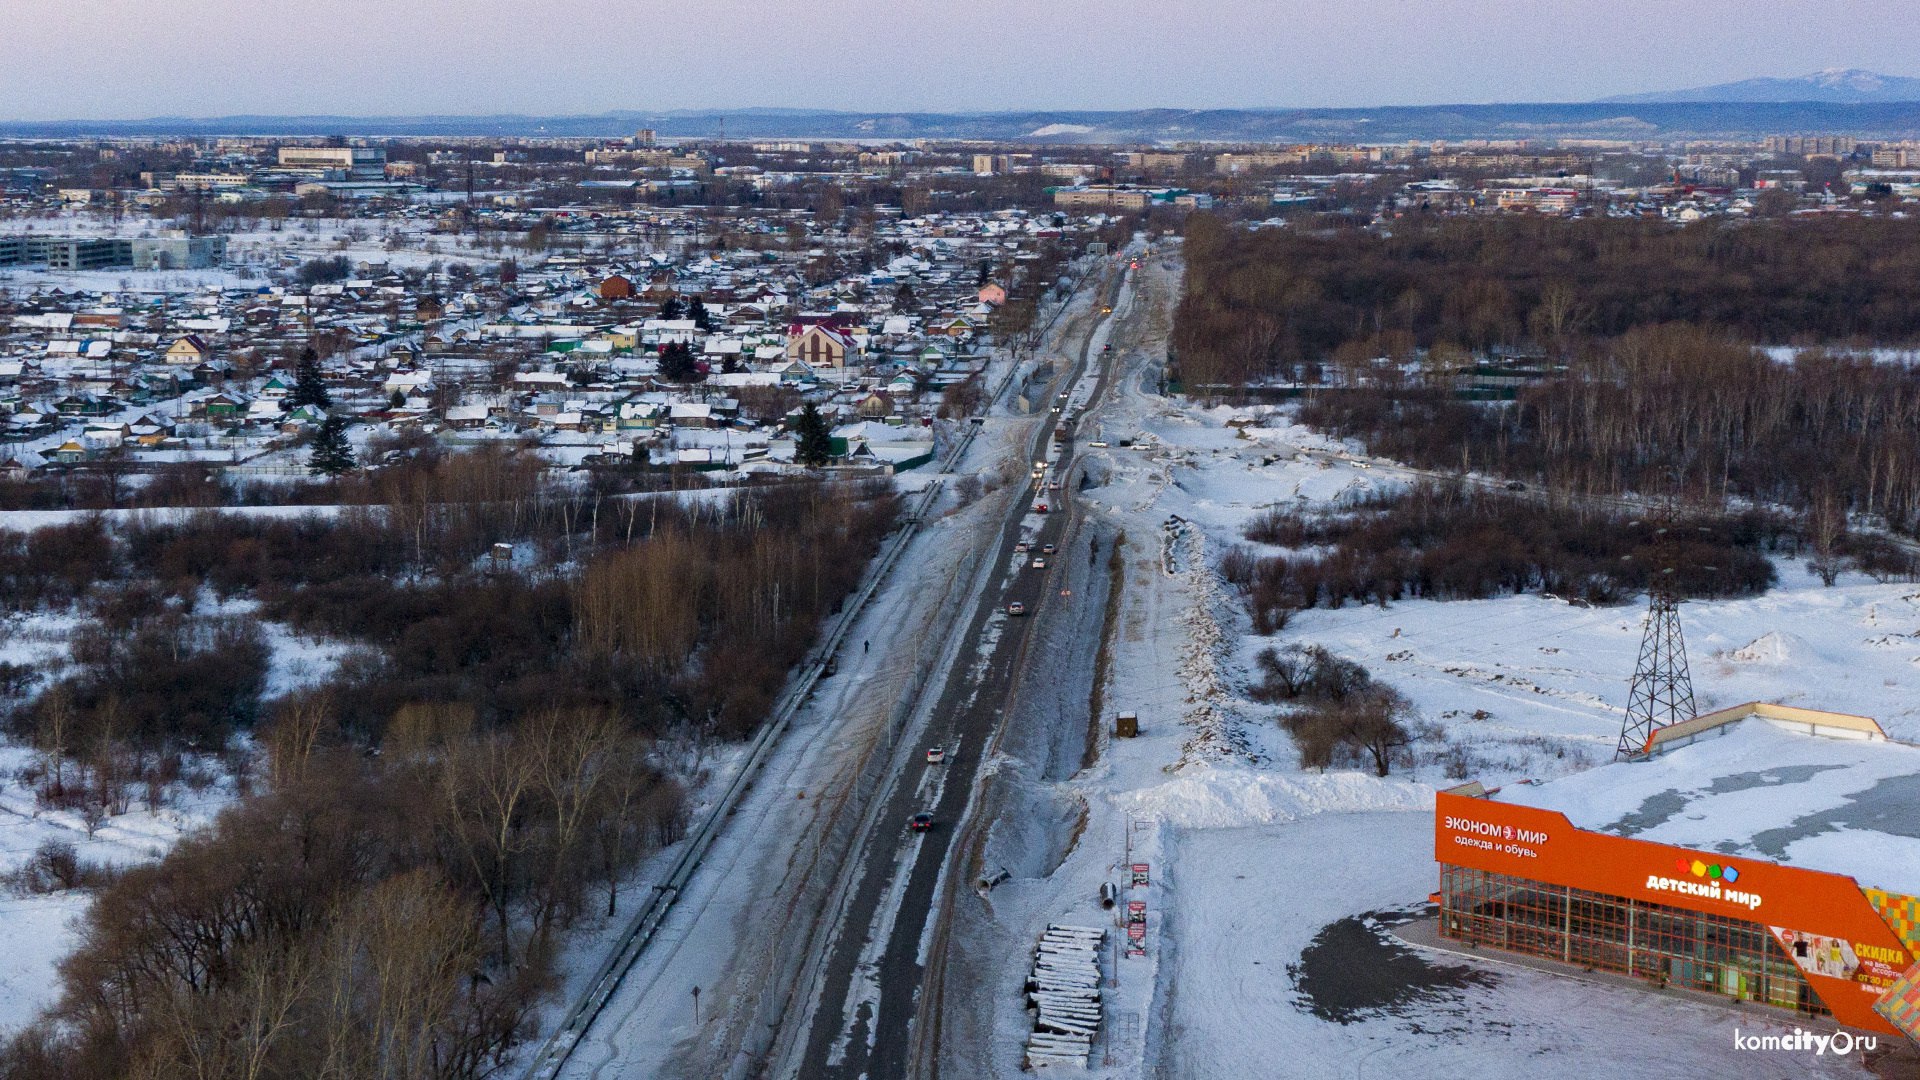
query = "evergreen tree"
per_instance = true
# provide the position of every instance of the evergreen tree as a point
(677, 363)
(673, 308)
(904, 298)
(309, 388)
(332, 453)
(697, 311)
(813, 440)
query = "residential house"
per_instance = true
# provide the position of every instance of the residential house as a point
(188, 349)
(466, 417)
(222, 406)
(691, 414)
(637, 416)
(795, 371)
(820, 346)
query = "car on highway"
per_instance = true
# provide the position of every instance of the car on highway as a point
(1023, 546)
(1515, 485)
(936, 755)
(1053, 485)
(1098, 444)
(1039, 562)
(921, 822)
(1039, 508)
(1046, 549)
(1016, 608)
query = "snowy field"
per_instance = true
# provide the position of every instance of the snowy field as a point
(1253, 901)
(36, 930)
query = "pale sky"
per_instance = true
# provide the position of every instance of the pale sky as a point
(122, 59)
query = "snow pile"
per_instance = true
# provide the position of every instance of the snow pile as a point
(1216, 797)
(1212, 717)
(1064, 992)
(1772, 647)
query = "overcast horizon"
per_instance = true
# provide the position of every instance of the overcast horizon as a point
(564, 57)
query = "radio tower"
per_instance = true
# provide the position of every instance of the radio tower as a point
(1662, 691)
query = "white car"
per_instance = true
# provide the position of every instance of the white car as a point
(1039, 563)
(936, 755)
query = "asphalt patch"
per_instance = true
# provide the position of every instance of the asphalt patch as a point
(1353, 970)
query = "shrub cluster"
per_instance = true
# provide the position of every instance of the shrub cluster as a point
(1446, 542)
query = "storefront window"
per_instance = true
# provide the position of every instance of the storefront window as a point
(1666, 945)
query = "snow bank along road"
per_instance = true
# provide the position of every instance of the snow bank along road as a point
(866, 997)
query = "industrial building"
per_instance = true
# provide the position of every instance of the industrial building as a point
(169, 251)
(1102, 198)
(356, 162)
(1760, 853)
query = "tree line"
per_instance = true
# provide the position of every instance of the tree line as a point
(1448, 542)
(483, 767)
(1270, 301)
(1643, 377)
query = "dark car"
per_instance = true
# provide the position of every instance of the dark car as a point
(920, 822)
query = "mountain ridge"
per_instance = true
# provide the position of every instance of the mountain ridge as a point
(1832, 85)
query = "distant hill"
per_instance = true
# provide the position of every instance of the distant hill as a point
(1391, 123)
(1839, 85)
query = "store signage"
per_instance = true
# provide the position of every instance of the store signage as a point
(1706, 881)
(1822, 908)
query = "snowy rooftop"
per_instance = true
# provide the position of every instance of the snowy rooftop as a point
(1763, 790)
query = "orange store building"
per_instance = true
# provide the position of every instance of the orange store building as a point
(1764, 853)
